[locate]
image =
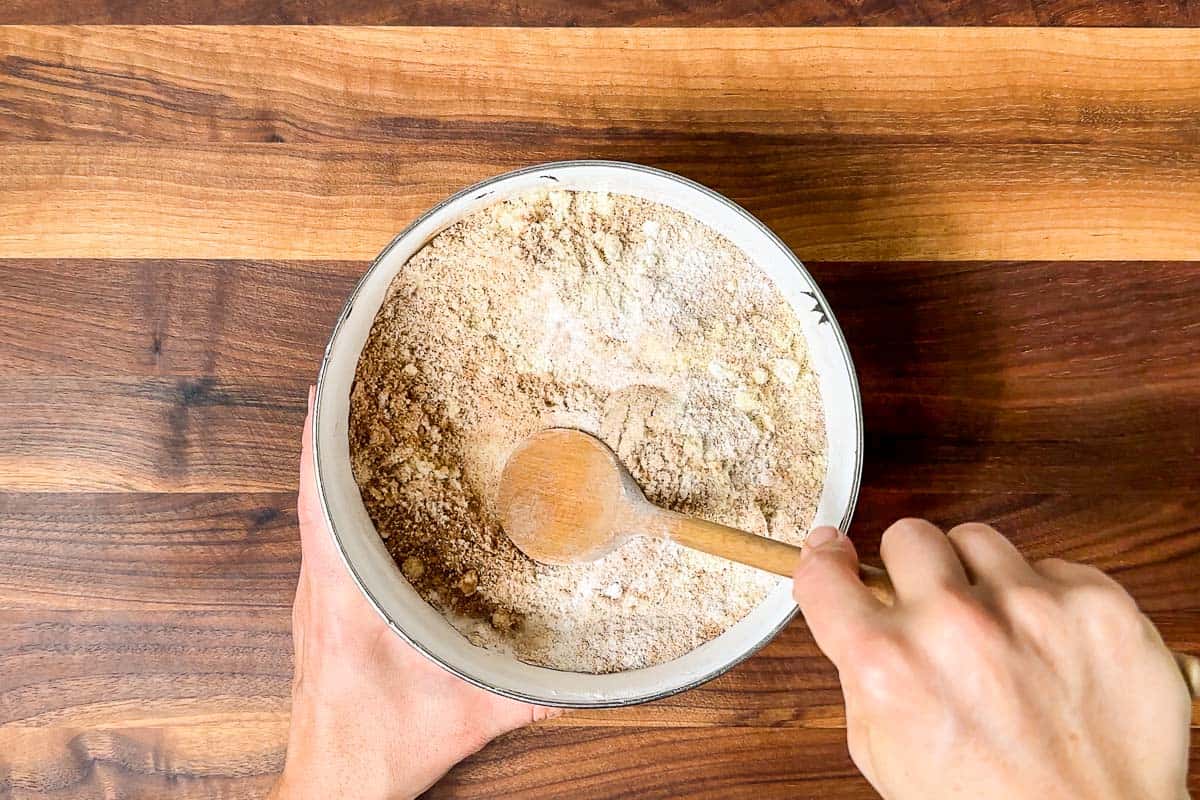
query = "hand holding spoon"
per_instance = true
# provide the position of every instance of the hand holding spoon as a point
(565, 498)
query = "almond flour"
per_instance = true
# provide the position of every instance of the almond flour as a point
(620, 317)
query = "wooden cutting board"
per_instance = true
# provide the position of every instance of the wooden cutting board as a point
(1006, 222)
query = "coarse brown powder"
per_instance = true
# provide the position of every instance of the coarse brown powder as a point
(620, 317)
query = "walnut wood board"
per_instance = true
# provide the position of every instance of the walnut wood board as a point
(1005, 221)
(659, 13)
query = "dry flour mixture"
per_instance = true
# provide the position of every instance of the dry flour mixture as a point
(620, 317)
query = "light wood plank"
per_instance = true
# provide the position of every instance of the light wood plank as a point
(873, 202)
(530, 86)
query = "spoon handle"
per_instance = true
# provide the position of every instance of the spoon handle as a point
(781, 559)
(756, 551)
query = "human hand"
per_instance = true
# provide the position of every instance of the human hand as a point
(371, 717)
(994, 678)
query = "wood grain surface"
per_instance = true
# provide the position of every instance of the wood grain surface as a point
(659, 13)
(880, 202)
(472, 86)
(1005, 221)
(885, 144)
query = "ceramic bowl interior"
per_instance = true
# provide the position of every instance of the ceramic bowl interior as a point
(364, 552)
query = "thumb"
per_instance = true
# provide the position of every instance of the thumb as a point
(835, 603)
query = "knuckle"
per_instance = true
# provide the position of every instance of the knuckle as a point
(910, 526)
(1050, 565)
(972, 531)
(1072, 573)
(1107, 604)
(1102, 580)
(1031, 608)
(1085, 573)
(963, 617)
(820, 560)
(908, 529)
(883, 666)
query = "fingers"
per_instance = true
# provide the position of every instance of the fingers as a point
(920, 560)
(833, 600)
(301, 610)
(316, 545)
(540, 713)
(307, 504)
(1072, 574)
(989, 557)
(858, 741)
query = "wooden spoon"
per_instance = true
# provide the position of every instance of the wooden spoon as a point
(565, 498)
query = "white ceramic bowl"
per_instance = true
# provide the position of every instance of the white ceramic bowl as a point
(364, 553)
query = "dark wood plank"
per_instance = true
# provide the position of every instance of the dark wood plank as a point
(170, 318)
(186, 596)
(835, 202)
(130, 552)
(154, 683)
(203, 761)
(111, 667)
(190, 760)
(100, 667)
(962, 423)
(790, 684)
(976, 377)
(986, 434)
(108, 668)
(971, 435)
(529, 764)
(1072, 321)
(667, 763)
(1150, 544)
(605, 12)
(532, 87)
(928, 321)
(163, 434)
(211, 552)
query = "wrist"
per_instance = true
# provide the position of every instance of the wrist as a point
(325, 760)
(304, 784)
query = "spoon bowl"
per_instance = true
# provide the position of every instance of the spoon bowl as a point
(562, 497)
(565, 498)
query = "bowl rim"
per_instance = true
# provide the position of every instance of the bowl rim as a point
(474, 189)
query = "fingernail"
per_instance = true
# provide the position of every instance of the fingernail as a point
(312, 392)
(821, 536)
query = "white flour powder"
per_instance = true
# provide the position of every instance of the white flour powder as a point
(622, 318)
